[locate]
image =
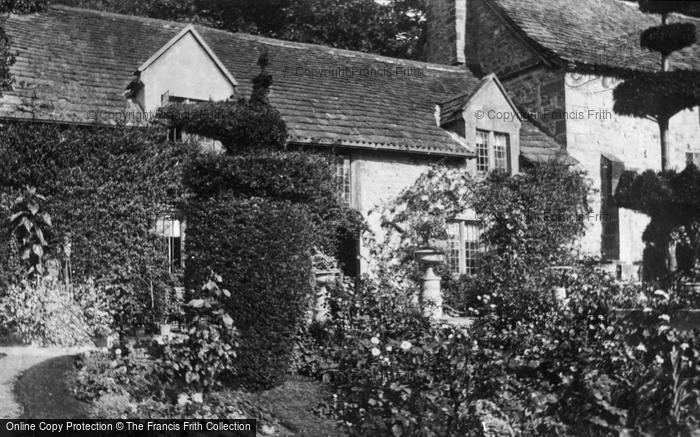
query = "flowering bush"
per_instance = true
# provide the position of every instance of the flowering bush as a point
(45, 313)
(573, 368)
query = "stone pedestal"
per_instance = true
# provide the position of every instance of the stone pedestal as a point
(431, 292)
(431, 295)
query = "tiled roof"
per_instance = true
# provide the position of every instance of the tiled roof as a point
(74, 61)
(537, 146)
(593, 33)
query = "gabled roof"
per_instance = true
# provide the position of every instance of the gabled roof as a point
(452, 109)
(73, 64)
(592, 35)
(188, 30)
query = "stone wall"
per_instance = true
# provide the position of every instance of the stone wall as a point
(377, 178)
(593, 129)
(441, 45)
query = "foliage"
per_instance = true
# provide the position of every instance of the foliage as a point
(245, 125)
(262, 250)
(126, 371)
(31, 224)
(569, 369)
(7, 59)
(664, 6)
(207, 358)
(667, 39)
(530, 219)
(22, 6)
(45, 313)
(393, 28)
(655, 195)
(104, 187)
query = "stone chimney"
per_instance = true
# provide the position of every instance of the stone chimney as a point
(447, 23)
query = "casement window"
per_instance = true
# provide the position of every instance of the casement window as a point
(342, 177)
(492, 151)
(465, 246)
(169, 227)
(693, 157)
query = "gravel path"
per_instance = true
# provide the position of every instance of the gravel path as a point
(18, 360)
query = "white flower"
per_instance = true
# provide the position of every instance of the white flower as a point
(374, 340)
(641, 347)
(183, 399)
(198, 398)
(389, 348)
(661, 293)
(665, 318)
(684, 346)
(406, 345)
(375, 352)
(659, 360)
(117, 351)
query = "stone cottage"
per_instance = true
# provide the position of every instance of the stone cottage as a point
(501, 71)
(560, 60)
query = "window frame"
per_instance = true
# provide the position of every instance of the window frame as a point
(173, 217)
(343, 177)
(491, 156)
(466, 228)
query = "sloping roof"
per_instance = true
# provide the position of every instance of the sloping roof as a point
(453, 108)
(593, 35)
(74, 63)
(537, 146)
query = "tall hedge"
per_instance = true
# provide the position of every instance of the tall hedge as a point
(261, 250)
(104, 188)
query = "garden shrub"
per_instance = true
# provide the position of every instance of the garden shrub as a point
(104, 186)
(569, 369)
(45, 313)
(207, 358)
(262, 251)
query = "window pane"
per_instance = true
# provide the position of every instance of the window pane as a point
(482, 151)
(453, 247)
(500, 151)
(473, 246)
(342, 174)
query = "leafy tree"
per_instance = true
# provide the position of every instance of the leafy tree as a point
(392, 27)
(660, 95)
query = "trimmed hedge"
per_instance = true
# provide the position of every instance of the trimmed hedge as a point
(105, 187)
(261, 250)
(668, 38)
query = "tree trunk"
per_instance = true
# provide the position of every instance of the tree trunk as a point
(663, 133)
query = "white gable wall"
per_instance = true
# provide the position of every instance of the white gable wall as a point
(592, 129)
(184, 70)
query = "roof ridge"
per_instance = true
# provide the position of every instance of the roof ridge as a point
(270, 41)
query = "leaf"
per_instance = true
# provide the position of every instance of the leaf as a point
(40, 236)
(196, 303)
(33, 208)
(15, 216)
(228, 321)
(396, 430)
(38, 249)
(47, 219)
(26, 253)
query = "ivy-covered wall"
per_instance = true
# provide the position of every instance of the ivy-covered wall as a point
(104, 188)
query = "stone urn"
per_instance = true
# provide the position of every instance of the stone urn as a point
(320, 305)
(431, 294)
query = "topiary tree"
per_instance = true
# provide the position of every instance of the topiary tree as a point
(672, 201)
(660, 95)
(254, 216)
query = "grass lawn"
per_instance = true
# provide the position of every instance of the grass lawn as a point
(43, 394)
(293, 404)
